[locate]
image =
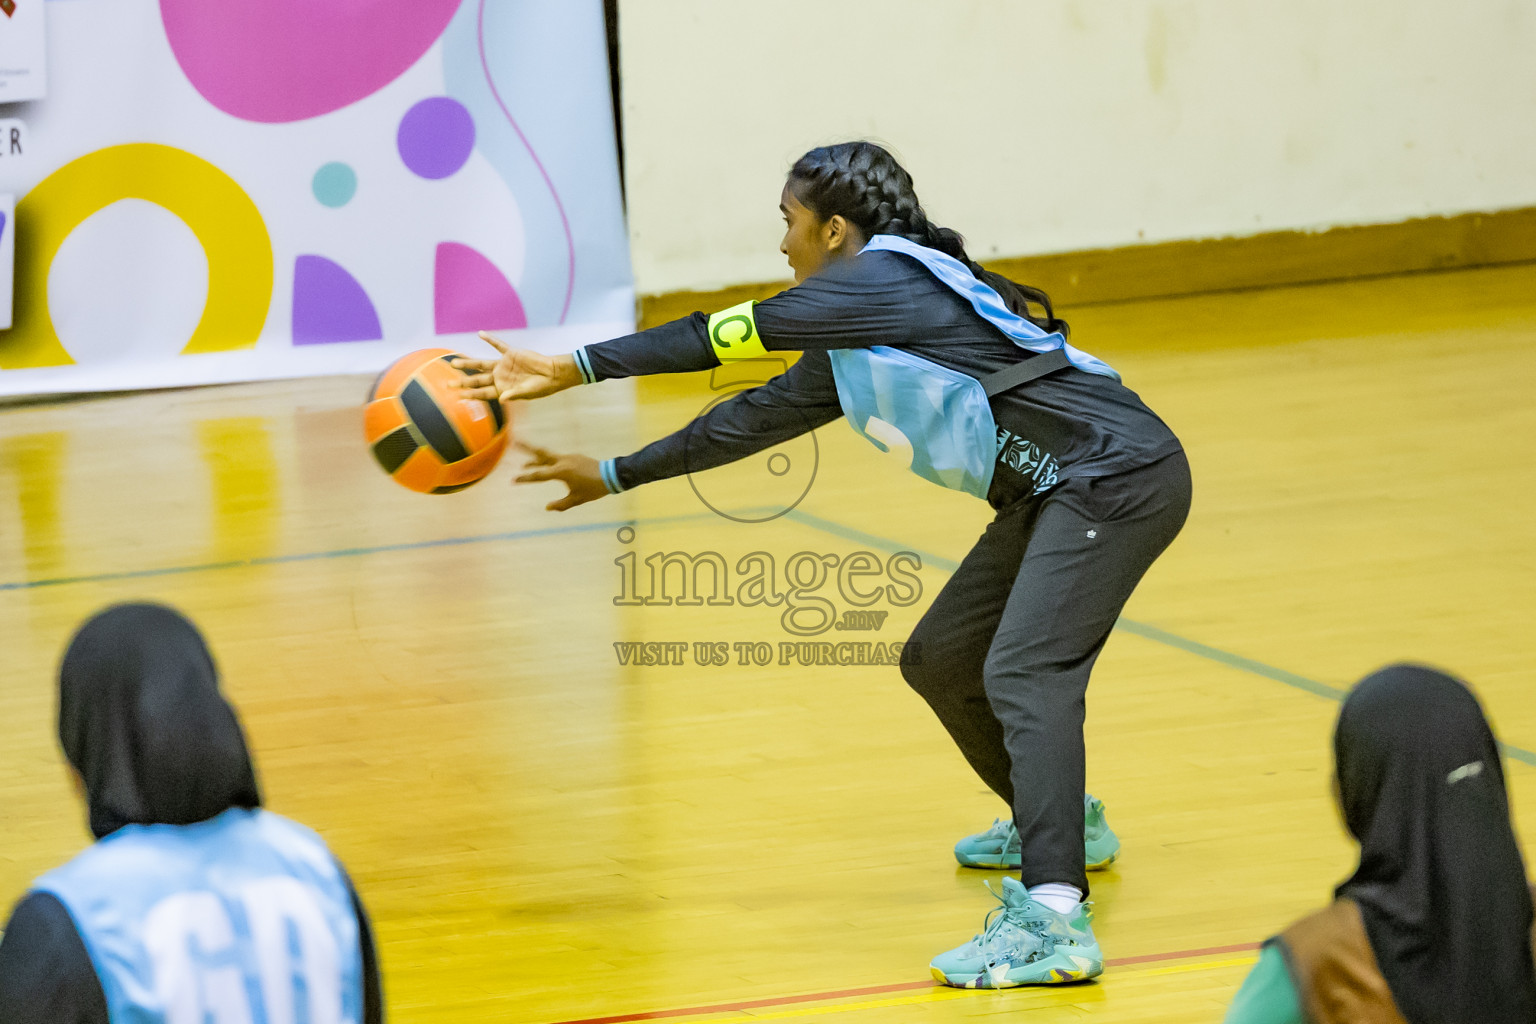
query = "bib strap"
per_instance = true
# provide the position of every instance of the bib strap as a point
(1025, 370)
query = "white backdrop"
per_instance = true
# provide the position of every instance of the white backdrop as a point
(220, 192)
(1040, 126)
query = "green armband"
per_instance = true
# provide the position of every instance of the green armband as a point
(733, 334)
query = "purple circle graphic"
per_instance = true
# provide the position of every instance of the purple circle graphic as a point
(436, 137)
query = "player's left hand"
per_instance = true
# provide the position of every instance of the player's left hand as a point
(517, 373)
(579, 473)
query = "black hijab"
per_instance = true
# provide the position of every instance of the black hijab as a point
(142, 720)
(1441, 885)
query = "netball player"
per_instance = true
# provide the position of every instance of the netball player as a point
(897, 324)
(193, 904)
(1434, 926)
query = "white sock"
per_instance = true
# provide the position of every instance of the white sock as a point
(1059, 896)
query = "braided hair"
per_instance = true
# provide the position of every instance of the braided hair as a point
(863, 182)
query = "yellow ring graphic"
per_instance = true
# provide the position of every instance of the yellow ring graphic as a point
(219, 213)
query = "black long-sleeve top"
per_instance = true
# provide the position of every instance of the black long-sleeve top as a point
(1068, 424)
(46, 975)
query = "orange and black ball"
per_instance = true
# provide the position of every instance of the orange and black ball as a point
(423, 433)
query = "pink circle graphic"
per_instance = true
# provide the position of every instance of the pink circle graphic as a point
(287, 60)
(436, 136)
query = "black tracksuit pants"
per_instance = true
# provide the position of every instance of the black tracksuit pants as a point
(1007, 646)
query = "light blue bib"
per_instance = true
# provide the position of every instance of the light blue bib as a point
(241, 919)
(895, 398)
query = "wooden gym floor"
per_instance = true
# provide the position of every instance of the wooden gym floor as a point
(545, 835)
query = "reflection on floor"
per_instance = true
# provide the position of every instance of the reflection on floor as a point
(548, 828)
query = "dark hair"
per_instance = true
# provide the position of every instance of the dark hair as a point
(863, 182)
(143, 721)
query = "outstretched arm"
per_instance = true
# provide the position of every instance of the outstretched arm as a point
(795, 402)
(677, 347)
(856, 304)
(867, 306)
(859, 304)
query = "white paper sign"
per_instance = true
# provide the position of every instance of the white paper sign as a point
(7, 256)
(22, 54)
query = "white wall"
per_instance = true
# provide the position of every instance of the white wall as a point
(1035, 126)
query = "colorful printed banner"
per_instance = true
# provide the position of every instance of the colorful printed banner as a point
(221, 191)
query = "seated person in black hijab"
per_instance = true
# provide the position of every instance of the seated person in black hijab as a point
(193, 904)
(1434, 927)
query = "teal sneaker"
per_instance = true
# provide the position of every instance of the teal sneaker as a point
(1101, 847)
(1023, 942)
(998, 846)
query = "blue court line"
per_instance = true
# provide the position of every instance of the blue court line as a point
(873, 540)
(1237, 661)
(1279, 675)
(316, 556)
(1141, 629)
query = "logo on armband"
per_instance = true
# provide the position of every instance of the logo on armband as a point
(733, 334)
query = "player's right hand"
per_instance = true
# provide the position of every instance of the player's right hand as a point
(519, 373)
(580, 474)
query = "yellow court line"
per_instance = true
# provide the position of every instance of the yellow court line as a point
(937, 995)
(931, 996)
(1238, 961)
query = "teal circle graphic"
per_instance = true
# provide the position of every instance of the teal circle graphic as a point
(335, 184)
